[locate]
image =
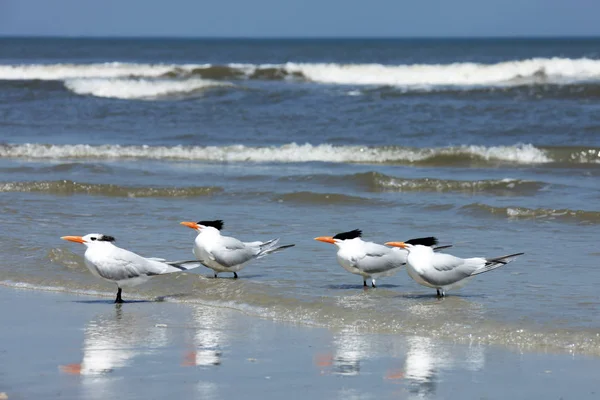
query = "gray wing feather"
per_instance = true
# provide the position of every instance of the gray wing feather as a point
(131, 265)
(231, 243)
(447, 262)
(231, 257)
(448, 269)
(378, 259)
(233, 252)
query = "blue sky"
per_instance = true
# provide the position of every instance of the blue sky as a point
(300, 18)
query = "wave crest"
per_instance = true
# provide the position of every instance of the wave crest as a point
(507, 186)
(142, 89)
(298, 153)
(66, 187)
(508, 73)
(545, 214)
(417, 76)
(72, 71)
(377, 182)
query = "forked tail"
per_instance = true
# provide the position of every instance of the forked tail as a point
(438, 248)
(269, 247)
(183, 265)
(493, 263)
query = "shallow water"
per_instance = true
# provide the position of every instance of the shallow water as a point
(308, 139)
(91, 349)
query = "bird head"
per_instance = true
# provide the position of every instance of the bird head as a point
(409, 245)
(340, 237)
(200, 225)
(89, 239)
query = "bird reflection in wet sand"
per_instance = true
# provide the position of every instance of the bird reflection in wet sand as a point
(427, 360)
(113, 339)
(210, 336)
(350, 348)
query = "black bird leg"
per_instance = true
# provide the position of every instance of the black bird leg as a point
(365, 283)
(119, 299)
(235, 275)
(215, 274)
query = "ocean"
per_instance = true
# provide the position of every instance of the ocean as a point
(491, 145)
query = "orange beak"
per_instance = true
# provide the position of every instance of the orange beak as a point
(323, 360)
(326, 239)
(396, 244)
(76, 239)
(192, 225)
(189, 360)
(395, 374)
(73, 369)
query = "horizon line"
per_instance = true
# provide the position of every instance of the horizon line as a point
(181, 37)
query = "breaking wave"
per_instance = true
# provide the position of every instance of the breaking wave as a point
(297, 153)
(379, 182)
(544, 214)
(142, 89)
(518, 72)
(508, 73)
(72, 71)
(187, 77)
(66, 187)
(114, 80)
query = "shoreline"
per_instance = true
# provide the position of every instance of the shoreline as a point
(63, 345)
(575, 342)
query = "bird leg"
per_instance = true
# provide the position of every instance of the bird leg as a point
(235, 275)
(119, 299)
(438, 293)
(373, 283)
(364, 282)
(215, 274)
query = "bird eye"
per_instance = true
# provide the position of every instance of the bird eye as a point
(93, 238)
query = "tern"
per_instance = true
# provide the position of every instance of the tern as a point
(120, 266)
(225, 253)
(367, 259)
(444, 271)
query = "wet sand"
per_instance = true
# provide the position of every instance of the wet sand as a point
(64, 346)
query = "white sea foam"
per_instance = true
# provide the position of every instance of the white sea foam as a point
(289, 153)
(547, 70)
(415, 76)
(99, 70)
(122, 88)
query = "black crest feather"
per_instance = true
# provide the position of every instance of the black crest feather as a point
(218, 223)
(424, 241)
(349, 235)
(106, 238)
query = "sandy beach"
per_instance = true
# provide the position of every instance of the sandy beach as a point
(63, 346)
